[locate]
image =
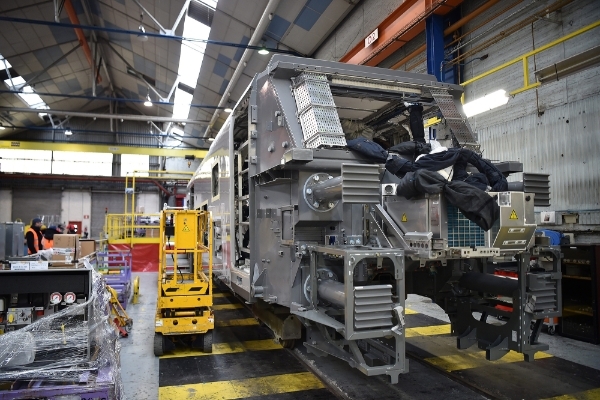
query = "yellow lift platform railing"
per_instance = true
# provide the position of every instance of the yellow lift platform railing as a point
(139, 228)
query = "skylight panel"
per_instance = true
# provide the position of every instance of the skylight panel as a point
(28, 95)
(190, 60)
(183, 99)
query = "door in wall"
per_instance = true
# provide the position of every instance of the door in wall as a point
(77, 226)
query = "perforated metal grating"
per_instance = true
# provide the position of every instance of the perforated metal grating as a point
(459, 125)
(316, 111)
(461, 231)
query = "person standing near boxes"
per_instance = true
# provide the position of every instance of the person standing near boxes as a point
(34, 237)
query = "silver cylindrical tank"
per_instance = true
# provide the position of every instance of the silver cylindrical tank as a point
(333, 292)
(328, 190)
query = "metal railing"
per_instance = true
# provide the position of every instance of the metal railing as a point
(132, 228)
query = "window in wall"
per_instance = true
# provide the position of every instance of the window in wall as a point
(215, 180)
(26, 161)
(135, 162)
(76, 163)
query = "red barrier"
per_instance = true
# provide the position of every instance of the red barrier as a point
(144, 256)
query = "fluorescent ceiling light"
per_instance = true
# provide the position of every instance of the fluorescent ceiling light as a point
(485, 103)
(228, 110)
(68, 132)
(2, 128)
(148, 102)
(263, 51)
(28, 96)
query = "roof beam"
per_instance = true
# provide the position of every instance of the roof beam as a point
(129, 117)
(97, 148)
(402, 25)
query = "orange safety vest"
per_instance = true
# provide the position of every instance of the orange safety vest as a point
(36, 241)
(47, 243)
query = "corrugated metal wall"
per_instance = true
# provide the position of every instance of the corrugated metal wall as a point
(564, 142)
(114, 202)
(28, 203)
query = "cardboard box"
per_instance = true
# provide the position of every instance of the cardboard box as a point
(87, 246)
(66, 242)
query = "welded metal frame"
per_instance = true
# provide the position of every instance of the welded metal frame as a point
(316, 319)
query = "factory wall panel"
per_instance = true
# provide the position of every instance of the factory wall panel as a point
(75, 206)
(553, 129)
(5, 205)
(581, 85)
(361, 21)
(28, 203)
(563, 142)
(179, 164)
(147, 203)
(114, 202)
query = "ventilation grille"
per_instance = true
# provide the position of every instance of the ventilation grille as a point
(544, 289)
(539, 184)
(360, 184)
(373, 306)
(461, 231)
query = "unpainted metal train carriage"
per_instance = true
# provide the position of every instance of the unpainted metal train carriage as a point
(320, 238)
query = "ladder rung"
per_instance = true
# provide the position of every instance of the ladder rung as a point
(245, 250)
(245, 197)
(243, 145)
(244, 171)
(245, 223)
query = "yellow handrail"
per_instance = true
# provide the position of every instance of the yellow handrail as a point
(524, 59)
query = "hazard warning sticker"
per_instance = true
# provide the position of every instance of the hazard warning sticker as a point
(186, 228)
(513, 215)
(404, 219)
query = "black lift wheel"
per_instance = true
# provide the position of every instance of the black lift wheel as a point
(159, 345)
(207, 341)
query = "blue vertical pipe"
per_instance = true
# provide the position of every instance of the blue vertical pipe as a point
(434, 31)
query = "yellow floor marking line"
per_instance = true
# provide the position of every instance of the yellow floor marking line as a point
(234, 306)
(592, 394)
(228, 348)
(408, 311)
(224, 294)
(467, 360)
(427, 330)
(237, 322)
(242, 388)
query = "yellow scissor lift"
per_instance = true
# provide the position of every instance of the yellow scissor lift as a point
(183, 309)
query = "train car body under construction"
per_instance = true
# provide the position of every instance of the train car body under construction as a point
(323, 230)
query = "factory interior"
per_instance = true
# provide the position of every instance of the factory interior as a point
(299, 199)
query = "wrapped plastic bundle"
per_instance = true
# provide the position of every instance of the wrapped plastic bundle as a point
(74, 351)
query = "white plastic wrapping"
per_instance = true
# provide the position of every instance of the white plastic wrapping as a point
(76, 346)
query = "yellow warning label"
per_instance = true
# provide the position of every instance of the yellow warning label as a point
(404, 219)
(186, 228)
(513, 215)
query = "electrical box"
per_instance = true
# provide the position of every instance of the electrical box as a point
(19, 316)
(186, 228)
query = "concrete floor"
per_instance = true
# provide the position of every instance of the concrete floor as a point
(139, 367)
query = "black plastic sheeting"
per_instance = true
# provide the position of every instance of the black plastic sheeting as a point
(465, 191)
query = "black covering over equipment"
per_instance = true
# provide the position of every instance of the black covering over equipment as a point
(475, 204)
(488, 283)
(465, 191)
